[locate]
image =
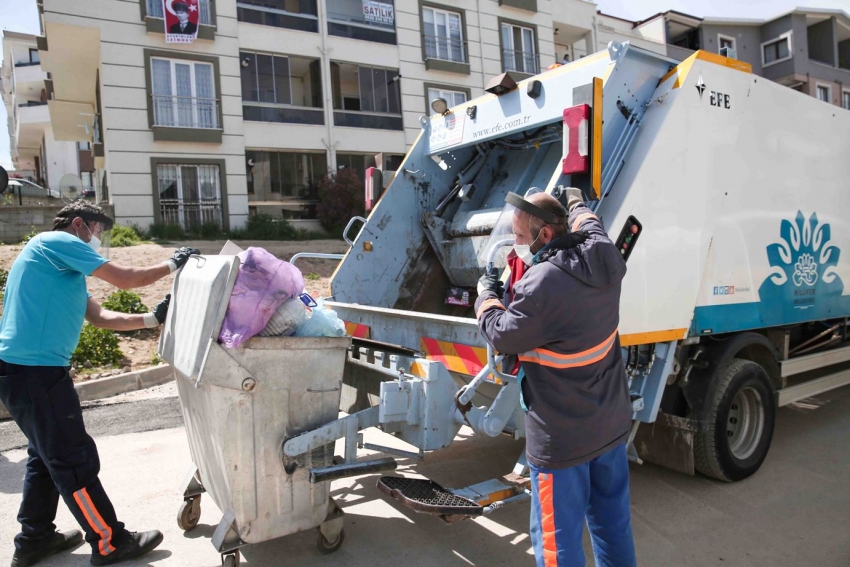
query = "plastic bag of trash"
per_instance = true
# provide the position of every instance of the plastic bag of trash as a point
(263, 283)
(324, 322)
(285, 319)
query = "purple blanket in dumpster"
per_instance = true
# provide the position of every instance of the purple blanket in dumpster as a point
(262, 284)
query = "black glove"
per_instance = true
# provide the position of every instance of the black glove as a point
(181, 256)
(161, 309)
(574, 198)
(491, 282)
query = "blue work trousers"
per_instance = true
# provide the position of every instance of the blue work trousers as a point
(596, 492)
(63, 459)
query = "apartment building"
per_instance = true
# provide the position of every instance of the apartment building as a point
(805, 49)
(36, 154)
(274, 94)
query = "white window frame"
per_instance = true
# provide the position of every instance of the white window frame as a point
(845, 99)
(175, 103)
(463, 55)
(786, 36)
(828, 88)
(533, 52)
(181, 201)
(441, 92)
(720, 36)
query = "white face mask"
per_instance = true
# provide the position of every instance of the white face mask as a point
(94, 243)
(523, 251)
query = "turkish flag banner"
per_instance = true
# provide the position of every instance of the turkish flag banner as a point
(182, 18)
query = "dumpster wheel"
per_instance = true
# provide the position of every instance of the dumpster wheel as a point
(231, 559)
(189, 513)
(326, 546)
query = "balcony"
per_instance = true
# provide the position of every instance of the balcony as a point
(523, 62)
(258, 112)
(28, 80)
(445, 54)
(373, 120)
(185, 119)
(32, 120)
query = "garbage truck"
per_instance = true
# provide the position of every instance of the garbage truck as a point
(726, 196)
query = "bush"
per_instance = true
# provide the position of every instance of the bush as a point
(4, 275)
(340, 198)
(207, 231)
(98, 346)
(30, 236)
(125, 302)
(264, 227)
(166, 232)
(124, 236)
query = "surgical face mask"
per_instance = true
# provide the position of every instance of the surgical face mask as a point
(94, 243)
(523, 251)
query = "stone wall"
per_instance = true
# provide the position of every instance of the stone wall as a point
(17, 221)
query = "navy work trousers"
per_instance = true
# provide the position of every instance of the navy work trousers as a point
(595, 492)
(63, 458)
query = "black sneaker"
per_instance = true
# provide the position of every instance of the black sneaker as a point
(59, 541)
(131, 545)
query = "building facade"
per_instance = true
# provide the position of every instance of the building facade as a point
(36, 153)
(806, 49)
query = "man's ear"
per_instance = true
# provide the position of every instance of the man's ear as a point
(547, 234)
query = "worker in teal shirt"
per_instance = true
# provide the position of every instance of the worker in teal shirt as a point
(43, 311)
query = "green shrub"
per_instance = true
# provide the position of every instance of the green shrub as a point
(312, 276)
(340, 198)
(124, 236)
(98, 346)
(207, 231)
(265, 227)
(4, 275)
(125, 302)
(166, 232)
(30, 236)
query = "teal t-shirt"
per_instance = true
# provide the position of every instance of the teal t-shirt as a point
(45, 303)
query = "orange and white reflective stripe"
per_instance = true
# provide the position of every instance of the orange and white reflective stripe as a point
(580, 219)
(357, 330)
(546, 495)
(101, 528)
(456, 357)
(552, 359)
(489, 304)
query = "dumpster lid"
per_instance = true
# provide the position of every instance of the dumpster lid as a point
(199, 298)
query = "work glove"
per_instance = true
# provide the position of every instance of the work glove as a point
(157, 317)
(180, 257)
(574, 198)
(491, 282)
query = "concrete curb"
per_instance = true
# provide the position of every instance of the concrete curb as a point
(120, 384)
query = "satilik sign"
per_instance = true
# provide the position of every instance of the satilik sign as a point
(182, 18)
(378, 12)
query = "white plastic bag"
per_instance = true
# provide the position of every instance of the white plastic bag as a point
(323, 322)
(285, 319)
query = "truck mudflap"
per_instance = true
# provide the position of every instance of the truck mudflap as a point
(668, 442)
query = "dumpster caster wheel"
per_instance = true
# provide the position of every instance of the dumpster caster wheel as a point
(326, 546)
(189, 513)
(230, 560)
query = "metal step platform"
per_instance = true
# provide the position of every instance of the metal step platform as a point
(428, 497)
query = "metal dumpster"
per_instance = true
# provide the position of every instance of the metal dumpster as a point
(240, 406)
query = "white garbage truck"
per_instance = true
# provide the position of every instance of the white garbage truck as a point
(727, 195)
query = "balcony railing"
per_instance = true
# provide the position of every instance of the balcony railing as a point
(189, 214)
(445, 49)
(521, 61)
(185, 112)
(154, 10)
(374, 120)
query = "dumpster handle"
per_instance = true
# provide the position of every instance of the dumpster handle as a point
(348, 227)
(322, 390)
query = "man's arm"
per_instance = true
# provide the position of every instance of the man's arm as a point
(105, 319)
(127, 277)
(514, 329)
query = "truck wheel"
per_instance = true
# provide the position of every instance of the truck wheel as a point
(738, 421)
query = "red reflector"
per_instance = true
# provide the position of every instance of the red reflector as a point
(576, 139)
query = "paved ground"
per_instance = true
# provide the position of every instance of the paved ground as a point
(794, 512)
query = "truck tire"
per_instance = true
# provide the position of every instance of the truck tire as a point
(738, 421)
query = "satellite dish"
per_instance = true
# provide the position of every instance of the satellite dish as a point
(4, 179)
(70, 188)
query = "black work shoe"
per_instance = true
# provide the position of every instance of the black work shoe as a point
(59, 541)
(131, 545)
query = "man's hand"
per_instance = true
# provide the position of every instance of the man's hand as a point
(574, 198)
(491, 282)
(180, 257)
(157, 317)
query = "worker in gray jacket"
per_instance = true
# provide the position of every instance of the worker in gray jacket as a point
(560, 318)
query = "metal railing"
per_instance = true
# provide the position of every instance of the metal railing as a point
(188, 214)
(154, 10)
(185, 112)
(445, 49)
(521, 61)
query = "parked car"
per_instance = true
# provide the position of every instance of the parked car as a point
(89, 192)
(30, 189)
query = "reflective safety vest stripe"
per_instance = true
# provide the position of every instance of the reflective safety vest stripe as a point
(489, 304)
(552, 359)
(580, 219)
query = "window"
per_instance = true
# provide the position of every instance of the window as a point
(86, 178)
(281, 83)
(845, 101)
(299, 15)
(725, 41)
(518, 49)
(369, 20)
(366, 97)
(189, 194)
(776, 50)
(34, 59)
(183, 94)
(443, 35)
(154, 10)
(823, 93)
(453, 98)
(291, 177)
(84, 146)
